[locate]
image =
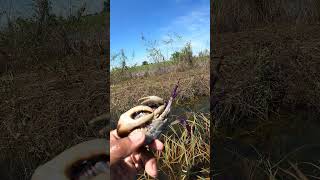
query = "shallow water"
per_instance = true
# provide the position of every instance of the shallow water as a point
(198, 105)
(185, 110)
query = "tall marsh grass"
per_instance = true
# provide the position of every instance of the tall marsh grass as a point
(51, 85)
(186, 156)
(270, 71)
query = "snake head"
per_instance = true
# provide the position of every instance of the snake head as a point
(88, 160)
(149, 117)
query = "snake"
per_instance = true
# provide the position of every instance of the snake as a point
(90, 160)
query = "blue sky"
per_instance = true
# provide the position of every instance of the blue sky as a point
(156, 19)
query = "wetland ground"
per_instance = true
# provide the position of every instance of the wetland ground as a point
(267, 117)
(184, 157)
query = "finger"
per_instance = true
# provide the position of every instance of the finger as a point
(119, 149)
(157, 145)
(129, 162)
(151, 167)
(136, 159)
(150, 163)
(114, 135)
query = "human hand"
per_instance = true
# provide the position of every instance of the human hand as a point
(128, 156)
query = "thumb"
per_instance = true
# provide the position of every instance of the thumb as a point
(124, 147)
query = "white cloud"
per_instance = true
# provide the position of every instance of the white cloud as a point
(194, 27)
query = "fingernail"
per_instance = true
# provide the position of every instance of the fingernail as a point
(136, 136)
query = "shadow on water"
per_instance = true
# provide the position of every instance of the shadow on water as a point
(293, 136)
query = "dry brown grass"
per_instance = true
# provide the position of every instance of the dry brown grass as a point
(185, 157)
(268, 68)
(51, 85)
(45, 109)
(269, 79)
(193, 83)
(237, 15)
(118, 75)
(267, 74)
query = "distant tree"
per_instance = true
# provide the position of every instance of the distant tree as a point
(81, 11)
(145, 63)
(123, 59)
(106, 5)
(42, 10)
(186, 54)
(169, 40)
(153, 50)
(204, 53)
(175, 56)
